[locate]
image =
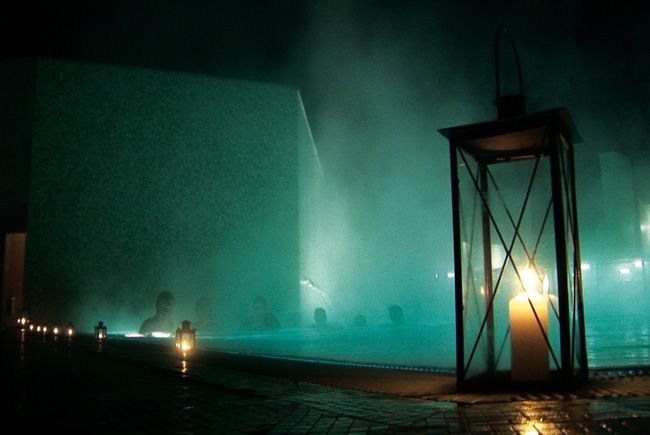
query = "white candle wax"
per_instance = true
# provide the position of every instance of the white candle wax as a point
(528, 347)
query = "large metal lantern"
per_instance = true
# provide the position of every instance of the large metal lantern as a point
(518, 291)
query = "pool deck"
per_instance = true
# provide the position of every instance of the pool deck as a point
(135, 387)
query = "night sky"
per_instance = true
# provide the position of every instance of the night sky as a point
(333, 50)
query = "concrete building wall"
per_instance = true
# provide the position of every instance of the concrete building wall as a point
(144, 180)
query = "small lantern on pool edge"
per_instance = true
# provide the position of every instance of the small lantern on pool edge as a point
(185, 337)
(100, 331)
(69, 330)
(518, 285)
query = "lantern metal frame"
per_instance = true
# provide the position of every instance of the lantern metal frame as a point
(536, 136)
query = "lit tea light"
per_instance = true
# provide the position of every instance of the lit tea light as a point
(31, 327)
(69, 330)
(44, 329)
(185, 337)
(38, 328)
(22, 321)
(55, 330)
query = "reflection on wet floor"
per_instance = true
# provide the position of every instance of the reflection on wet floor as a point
(142, 388)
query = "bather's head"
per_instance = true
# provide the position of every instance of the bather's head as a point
(164, 304)
(320, 317)
(396, 314)
(260, 305)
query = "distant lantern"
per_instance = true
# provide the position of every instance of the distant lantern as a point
(185, 337)
(100, 331)
(69, 330)
(22, 321)
(517, 270)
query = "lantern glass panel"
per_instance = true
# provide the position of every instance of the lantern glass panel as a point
(574, 279)
(473, 267)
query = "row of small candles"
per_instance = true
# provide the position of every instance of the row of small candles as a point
(24, 323)
(69, 330)
(185, 335)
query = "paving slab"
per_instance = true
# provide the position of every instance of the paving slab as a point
(136, 387)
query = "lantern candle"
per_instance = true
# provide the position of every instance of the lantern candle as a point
(529, 349)
(185, 337)
(69, 330)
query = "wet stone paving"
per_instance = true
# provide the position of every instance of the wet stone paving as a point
(73, 386)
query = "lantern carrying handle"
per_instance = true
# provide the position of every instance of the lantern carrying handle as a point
(498, 72)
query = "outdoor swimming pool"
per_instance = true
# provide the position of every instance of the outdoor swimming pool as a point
(623, 342)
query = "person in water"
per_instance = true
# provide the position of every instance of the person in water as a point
(160, 322)
(360, 320)
(320, 317)
(261, 320)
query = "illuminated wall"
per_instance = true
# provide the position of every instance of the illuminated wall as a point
(144, 180)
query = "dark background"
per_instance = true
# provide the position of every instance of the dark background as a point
(327, 48)
(374, 75)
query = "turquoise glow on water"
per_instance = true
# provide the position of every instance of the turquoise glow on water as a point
(424, 346)
(619, 342)
(624, 343)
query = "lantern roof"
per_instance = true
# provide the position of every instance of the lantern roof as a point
(517, 137)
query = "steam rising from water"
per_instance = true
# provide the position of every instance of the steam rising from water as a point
(375, 215)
